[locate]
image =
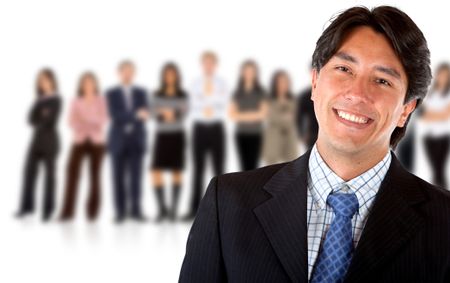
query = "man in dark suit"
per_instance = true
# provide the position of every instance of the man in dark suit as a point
(128, 109)
(307, 126)
(346, 211)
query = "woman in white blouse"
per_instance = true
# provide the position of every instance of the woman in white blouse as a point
(436, 119)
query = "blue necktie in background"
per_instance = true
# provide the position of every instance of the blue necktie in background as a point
(334, 260)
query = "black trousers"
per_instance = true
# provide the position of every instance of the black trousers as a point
(249, 150)
(27, 202)
(207, 139)
(437, 149)
(127, 172)
(94, 152)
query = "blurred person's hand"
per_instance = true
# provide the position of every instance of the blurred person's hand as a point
(429, 116)
(142, 114)
(168, 114)
(45, 112)
(208, 112)
(287, 116)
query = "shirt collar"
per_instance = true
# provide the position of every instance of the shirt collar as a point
(127, 89)
(324, 181)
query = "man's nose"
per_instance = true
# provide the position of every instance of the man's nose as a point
(359, 90)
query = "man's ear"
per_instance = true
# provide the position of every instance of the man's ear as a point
(314, 76)
(408, 108)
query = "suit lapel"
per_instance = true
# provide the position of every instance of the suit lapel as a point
(122, 98)
(391, 224)
(283, 217)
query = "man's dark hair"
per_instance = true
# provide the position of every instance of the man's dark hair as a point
(405, 37)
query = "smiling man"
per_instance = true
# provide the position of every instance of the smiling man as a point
(346, 210)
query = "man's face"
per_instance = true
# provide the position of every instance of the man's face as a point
(358, 95)
(209, 65)
(126, 74)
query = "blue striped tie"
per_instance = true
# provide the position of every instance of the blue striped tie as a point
(334, 260)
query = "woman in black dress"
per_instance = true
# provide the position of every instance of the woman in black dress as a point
(169, 107)
(44, 145)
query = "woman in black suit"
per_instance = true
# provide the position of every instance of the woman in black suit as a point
(44, 145)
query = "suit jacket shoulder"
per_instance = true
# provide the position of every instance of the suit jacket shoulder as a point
(245, 189)
(139, 90)
(112, 90)
(434, 192)
(406, 237)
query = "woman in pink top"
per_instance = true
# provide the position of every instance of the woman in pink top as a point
(87, 118)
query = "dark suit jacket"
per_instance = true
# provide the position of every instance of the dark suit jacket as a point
(307, 126)
(43, 118)
(123, 119)
(252, 227)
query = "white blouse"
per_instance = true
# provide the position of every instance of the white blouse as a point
(437, 102)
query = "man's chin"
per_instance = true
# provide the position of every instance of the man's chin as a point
(348, 146)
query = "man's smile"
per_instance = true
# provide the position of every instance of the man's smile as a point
(348, 118)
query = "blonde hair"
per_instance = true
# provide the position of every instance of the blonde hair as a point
(209, 55)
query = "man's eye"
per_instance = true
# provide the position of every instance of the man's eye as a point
(343, 69)
(383, 81)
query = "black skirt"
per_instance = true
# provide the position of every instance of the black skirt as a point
(169, 151)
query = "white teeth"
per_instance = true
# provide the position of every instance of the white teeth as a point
(351, 117)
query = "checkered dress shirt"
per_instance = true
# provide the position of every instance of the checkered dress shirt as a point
(322, 181)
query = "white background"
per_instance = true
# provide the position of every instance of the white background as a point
(75, 36)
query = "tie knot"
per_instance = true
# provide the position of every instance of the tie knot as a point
(343, 204)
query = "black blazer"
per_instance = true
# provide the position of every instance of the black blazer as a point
(252, 227)
(122, 118)
(43, 118)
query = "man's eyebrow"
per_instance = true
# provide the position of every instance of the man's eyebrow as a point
(389, 71)
(346, 57)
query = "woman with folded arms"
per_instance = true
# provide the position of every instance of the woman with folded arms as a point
(44, 146)
(170, 107)
(248, 109)
(436, 121)
(87, 119)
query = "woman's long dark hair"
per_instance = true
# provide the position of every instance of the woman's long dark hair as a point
(257, 88)
(50, 75)
(441, 68)
(274, 84)
(84, 76)
(170, 66)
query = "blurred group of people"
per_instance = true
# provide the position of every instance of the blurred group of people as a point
(268, 126)
(433, 118)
